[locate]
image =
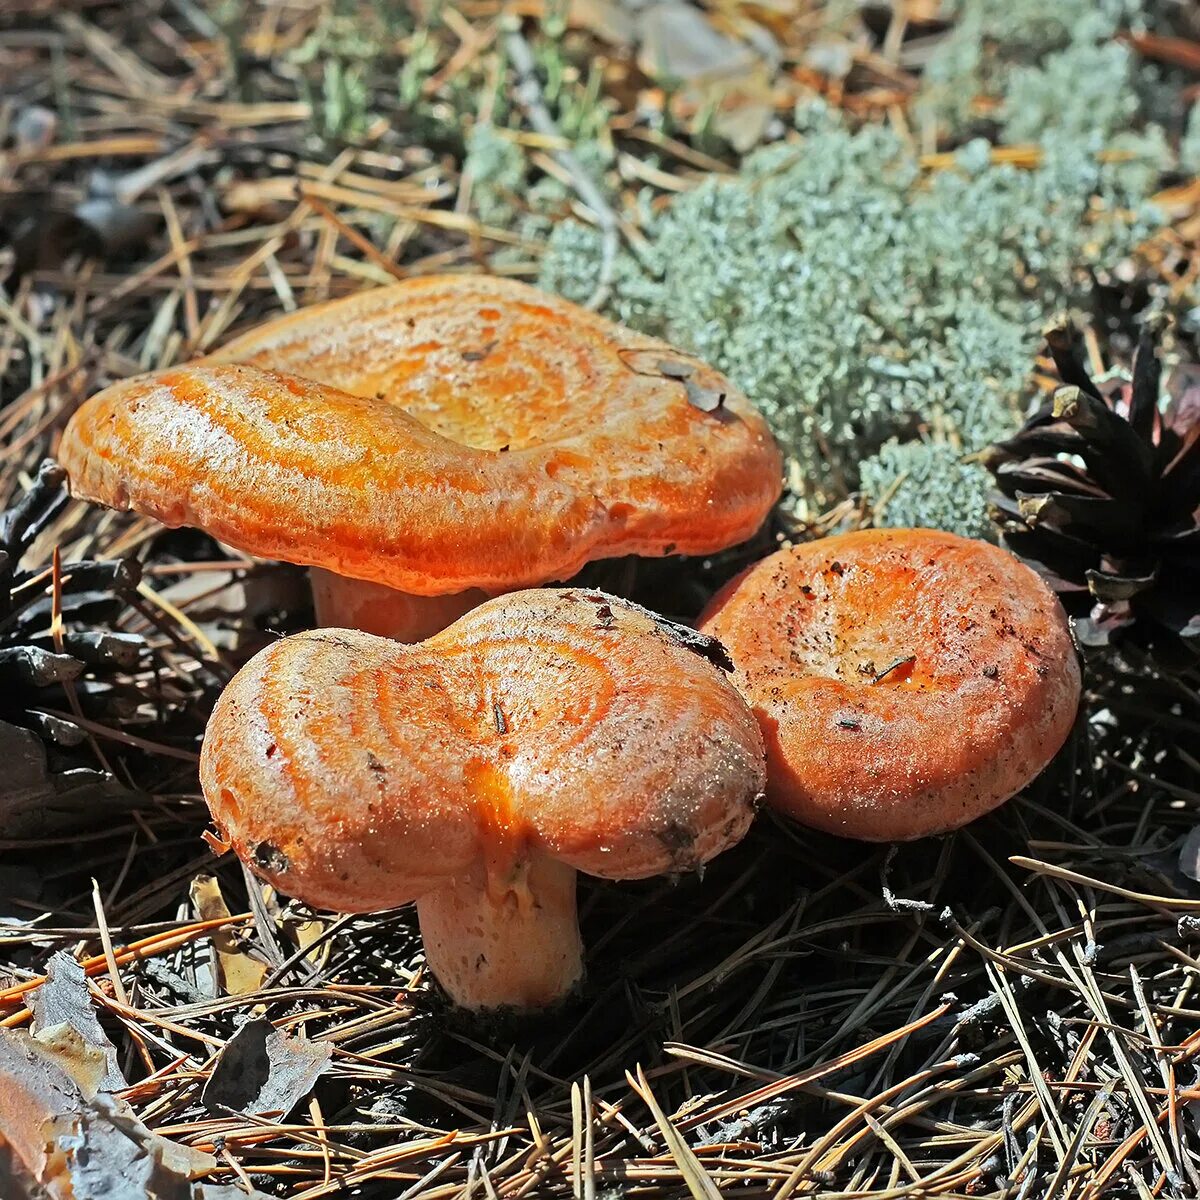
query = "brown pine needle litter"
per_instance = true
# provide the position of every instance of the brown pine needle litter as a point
(1012, 1011)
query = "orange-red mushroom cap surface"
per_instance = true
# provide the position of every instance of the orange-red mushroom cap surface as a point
(443, 434)
(547, 726)
(907, 681)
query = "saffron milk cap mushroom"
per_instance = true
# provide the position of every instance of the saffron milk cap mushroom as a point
(544, 733)
(426, 444)
(906, 680)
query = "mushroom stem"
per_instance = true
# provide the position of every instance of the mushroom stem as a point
(505, 943)
(345, 603)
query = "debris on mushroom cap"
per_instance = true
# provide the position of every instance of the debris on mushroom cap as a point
(907, 681)
(443, 434)
(561, 722)
(683, 635)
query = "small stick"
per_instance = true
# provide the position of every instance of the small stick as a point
(353, 236)
(135, 951)
(106, 941)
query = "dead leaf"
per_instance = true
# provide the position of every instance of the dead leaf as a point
(63, 1002)
(237, 973)
(64, 1146)
(262, 1070)
(85, 1064)
(743, 113)
(305, 931)
(833, 59)
(700, 395)
(609, 20)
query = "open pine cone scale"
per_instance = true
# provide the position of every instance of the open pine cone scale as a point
(1100, 492)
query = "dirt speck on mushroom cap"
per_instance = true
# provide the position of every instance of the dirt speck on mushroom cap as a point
(378, 771)
(907, 681)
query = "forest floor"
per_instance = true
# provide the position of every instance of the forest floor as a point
(1011, 1010)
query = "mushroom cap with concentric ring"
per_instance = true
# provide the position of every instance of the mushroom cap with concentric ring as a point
(357, 773)
(444, 434)
(906, 680)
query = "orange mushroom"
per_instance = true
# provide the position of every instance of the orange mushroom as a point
(545, 732)
(424, 444)
(906, 681)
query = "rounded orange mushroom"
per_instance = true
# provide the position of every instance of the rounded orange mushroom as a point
(424, 444)
(544, 733)
(907, 681)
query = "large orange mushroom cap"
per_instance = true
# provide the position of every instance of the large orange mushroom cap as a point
(907, 681)
(545, 732)
(444, 434)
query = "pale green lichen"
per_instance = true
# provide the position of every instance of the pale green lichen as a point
(1085, 91)
(498, 173)
(505, 188)
(1189, 151)
(853, 299)
(994, 43)
(504, 193)
(927, 485)
(861, 301)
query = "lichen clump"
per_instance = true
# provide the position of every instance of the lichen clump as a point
(885, 315)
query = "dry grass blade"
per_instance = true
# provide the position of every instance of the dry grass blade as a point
(1178, 903)
(697, 1179)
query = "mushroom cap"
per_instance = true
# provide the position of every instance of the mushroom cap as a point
(358, 773)
(906, 680)
(439, 435)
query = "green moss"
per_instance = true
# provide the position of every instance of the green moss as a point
(334, 62)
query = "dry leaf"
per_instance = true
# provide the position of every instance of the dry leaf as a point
(743, 111)
(262, 1070)
(237, 973)
(609, 20)
(305, 931)
(679, 44)
(64, 1146)
(63, 1002)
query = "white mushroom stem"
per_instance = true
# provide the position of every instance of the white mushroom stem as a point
(345, 603)
(508, 941)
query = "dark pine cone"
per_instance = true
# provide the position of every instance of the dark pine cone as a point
(33, 668)
(1100, 492)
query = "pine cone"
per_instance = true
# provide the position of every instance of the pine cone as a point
(1100, 493)
(33, 667)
